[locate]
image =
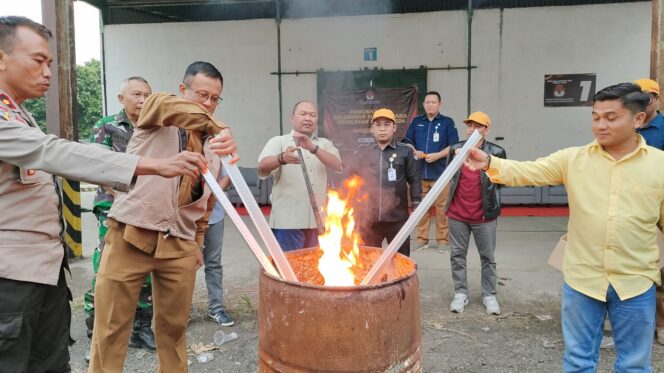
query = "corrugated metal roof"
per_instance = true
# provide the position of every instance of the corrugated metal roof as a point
(151, 11)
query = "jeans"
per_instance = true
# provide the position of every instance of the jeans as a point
(214, 271)
(485, 240)
(294, 239)
(632, 323)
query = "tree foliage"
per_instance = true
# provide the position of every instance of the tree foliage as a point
(88, 90)
(89, 101)
(38, 109)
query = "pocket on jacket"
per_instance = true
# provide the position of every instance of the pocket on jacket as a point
(30, 176)
(10, 330)
(10, 326)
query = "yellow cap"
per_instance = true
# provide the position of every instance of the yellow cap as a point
(648, 85)
(479, 117)
(384, 113)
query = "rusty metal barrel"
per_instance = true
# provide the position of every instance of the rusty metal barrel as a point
(311, 328)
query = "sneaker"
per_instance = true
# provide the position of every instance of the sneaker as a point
(459, 302)
(491, 304)
(222, 319)
(660, 336)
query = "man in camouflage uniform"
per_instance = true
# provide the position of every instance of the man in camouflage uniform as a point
(113, 132)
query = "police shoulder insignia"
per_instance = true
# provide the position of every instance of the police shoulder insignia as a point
(7, 101)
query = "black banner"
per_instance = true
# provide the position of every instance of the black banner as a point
(347, 113)
(569, 89)
(347, 100)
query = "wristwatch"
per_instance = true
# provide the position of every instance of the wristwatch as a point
(314, 150)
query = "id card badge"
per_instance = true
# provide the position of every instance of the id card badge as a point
(391, 174)
(436, 137)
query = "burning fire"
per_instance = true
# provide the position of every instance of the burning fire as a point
(340, 242)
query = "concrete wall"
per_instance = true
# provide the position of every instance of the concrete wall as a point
(513, 49)
(245, 52)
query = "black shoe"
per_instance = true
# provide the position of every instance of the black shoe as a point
(142, 338)
(222, 318)
(89, 324)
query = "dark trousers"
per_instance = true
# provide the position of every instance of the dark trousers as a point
(34, 326)
(374, 233)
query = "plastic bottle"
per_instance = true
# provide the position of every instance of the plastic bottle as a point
(220, 337)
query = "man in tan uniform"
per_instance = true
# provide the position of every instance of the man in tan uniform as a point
(292, 219)
(159, 227)
(34, 298)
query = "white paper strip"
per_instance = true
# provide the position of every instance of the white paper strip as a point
(437, 188)
(256, 215)
(239, 223)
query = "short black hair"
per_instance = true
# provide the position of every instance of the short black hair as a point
(8, 25)
(202, 67)
(435, 94)
(629, 94)
(298, 104)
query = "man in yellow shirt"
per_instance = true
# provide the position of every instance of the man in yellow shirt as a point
(616, 202)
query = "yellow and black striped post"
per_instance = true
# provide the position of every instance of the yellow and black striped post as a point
(71, 210)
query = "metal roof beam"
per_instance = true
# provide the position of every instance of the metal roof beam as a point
(166, 3)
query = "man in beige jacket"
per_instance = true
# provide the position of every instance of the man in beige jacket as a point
(159, 227)
(34, 298)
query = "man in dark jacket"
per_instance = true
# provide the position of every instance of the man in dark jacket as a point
(473, 206)
(388, 168)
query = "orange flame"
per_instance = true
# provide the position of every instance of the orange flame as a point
(340, 242)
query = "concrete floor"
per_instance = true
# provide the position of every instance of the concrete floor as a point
(528, 287)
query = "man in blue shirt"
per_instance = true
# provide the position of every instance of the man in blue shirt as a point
(653, 133)
(432, 134)
(653, 129)
(214, 271)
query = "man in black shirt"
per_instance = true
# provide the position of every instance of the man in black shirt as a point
(387, 169)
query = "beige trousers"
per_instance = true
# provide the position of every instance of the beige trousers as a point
(121, 274)
(441, 218)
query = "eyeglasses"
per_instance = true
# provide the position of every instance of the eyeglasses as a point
(204, 96)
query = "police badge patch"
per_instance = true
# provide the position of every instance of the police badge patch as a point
(7, 101)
